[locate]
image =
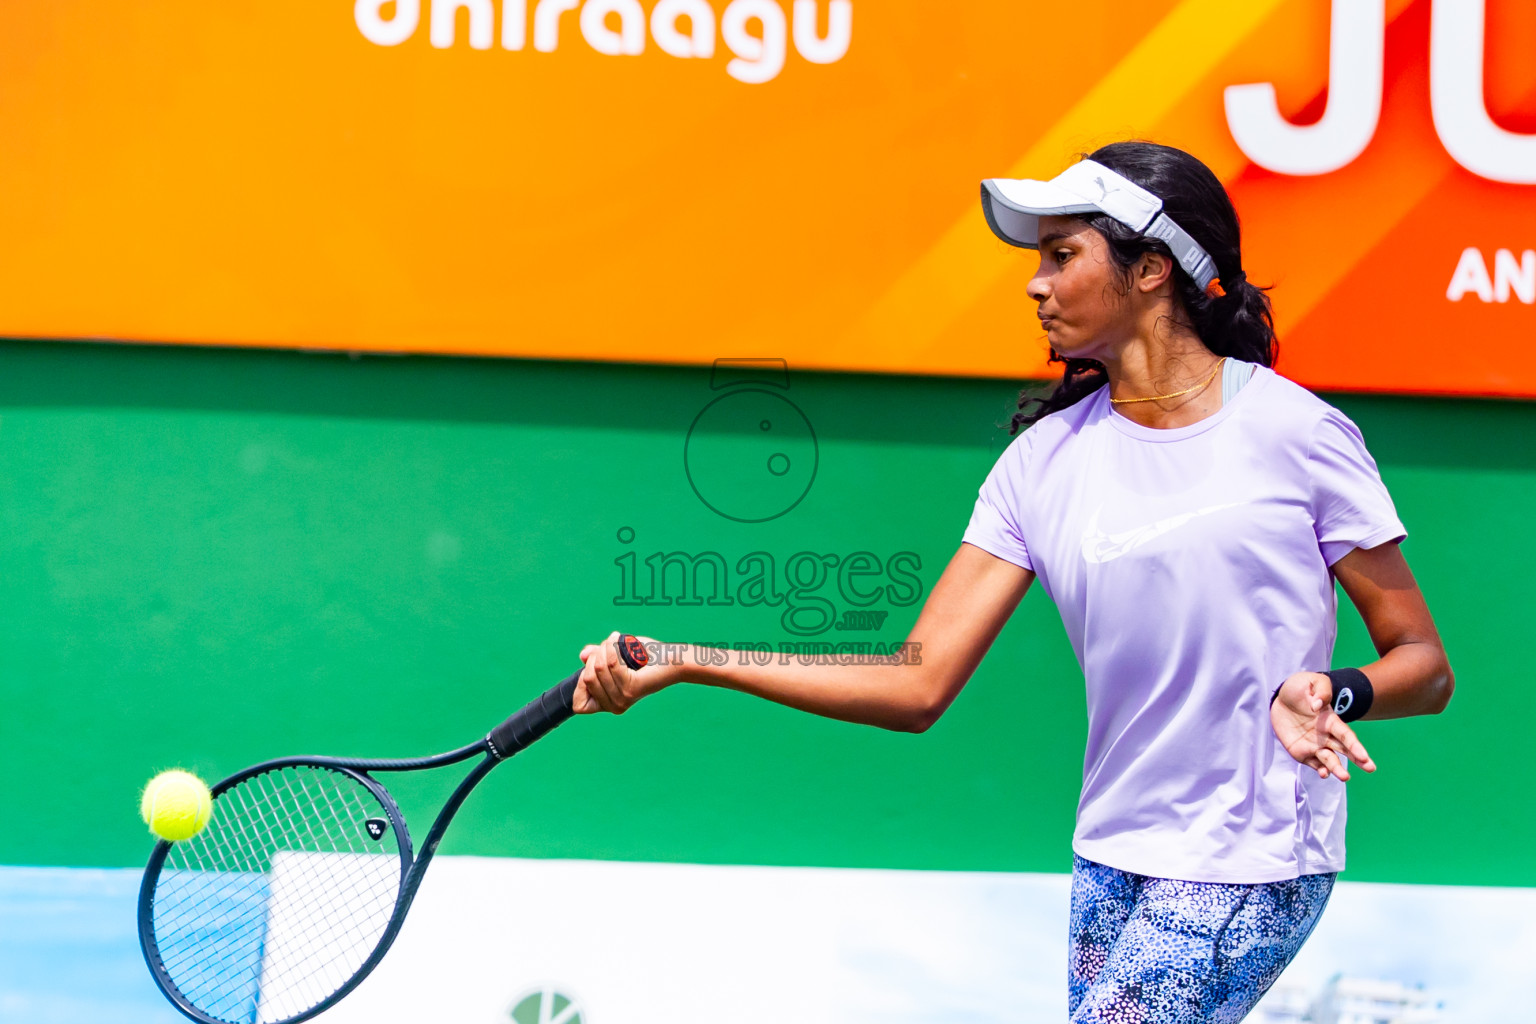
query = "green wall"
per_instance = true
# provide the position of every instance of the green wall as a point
(210, 557)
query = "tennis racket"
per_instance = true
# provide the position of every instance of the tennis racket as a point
(303, 876)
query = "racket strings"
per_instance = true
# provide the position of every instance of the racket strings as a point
(278, 902)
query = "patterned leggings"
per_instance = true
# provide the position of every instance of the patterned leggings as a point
(1146, 950)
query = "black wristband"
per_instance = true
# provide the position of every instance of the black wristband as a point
(1352, 693)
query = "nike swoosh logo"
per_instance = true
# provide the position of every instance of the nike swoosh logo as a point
(1100, 547)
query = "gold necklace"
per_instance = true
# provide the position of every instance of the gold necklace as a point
(1175, 394)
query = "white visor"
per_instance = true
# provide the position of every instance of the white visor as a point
(1014, 206)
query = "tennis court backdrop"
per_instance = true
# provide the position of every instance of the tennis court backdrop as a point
(667, 182)
(212, 554)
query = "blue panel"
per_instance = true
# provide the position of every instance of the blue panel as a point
(69, 949)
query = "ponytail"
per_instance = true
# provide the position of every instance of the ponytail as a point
(1241, 323)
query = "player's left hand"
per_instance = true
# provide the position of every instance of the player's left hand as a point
(1303, 719)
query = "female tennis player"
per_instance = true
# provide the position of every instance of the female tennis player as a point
(1188, 510)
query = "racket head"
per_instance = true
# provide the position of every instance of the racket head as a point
(284, 902)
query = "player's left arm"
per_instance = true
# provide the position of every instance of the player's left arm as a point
(1412, 675)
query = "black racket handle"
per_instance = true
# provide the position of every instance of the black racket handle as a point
(552, 707)
(535, 719)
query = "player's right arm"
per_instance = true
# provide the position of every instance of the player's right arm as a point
(905, 692)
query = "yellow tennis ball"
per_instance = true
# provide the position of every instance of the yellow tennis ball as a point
(176, 805)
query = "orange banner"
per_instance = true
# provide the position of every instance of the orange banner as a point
(676, 180)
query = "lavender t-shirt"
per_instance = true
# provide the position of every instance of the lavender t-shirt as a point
(1191, 569)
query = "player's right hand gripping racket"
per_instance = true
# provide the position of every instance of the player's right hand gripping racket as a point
(304, 874)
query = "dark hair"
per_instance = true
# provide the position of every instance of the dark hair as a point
(1237, 323)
